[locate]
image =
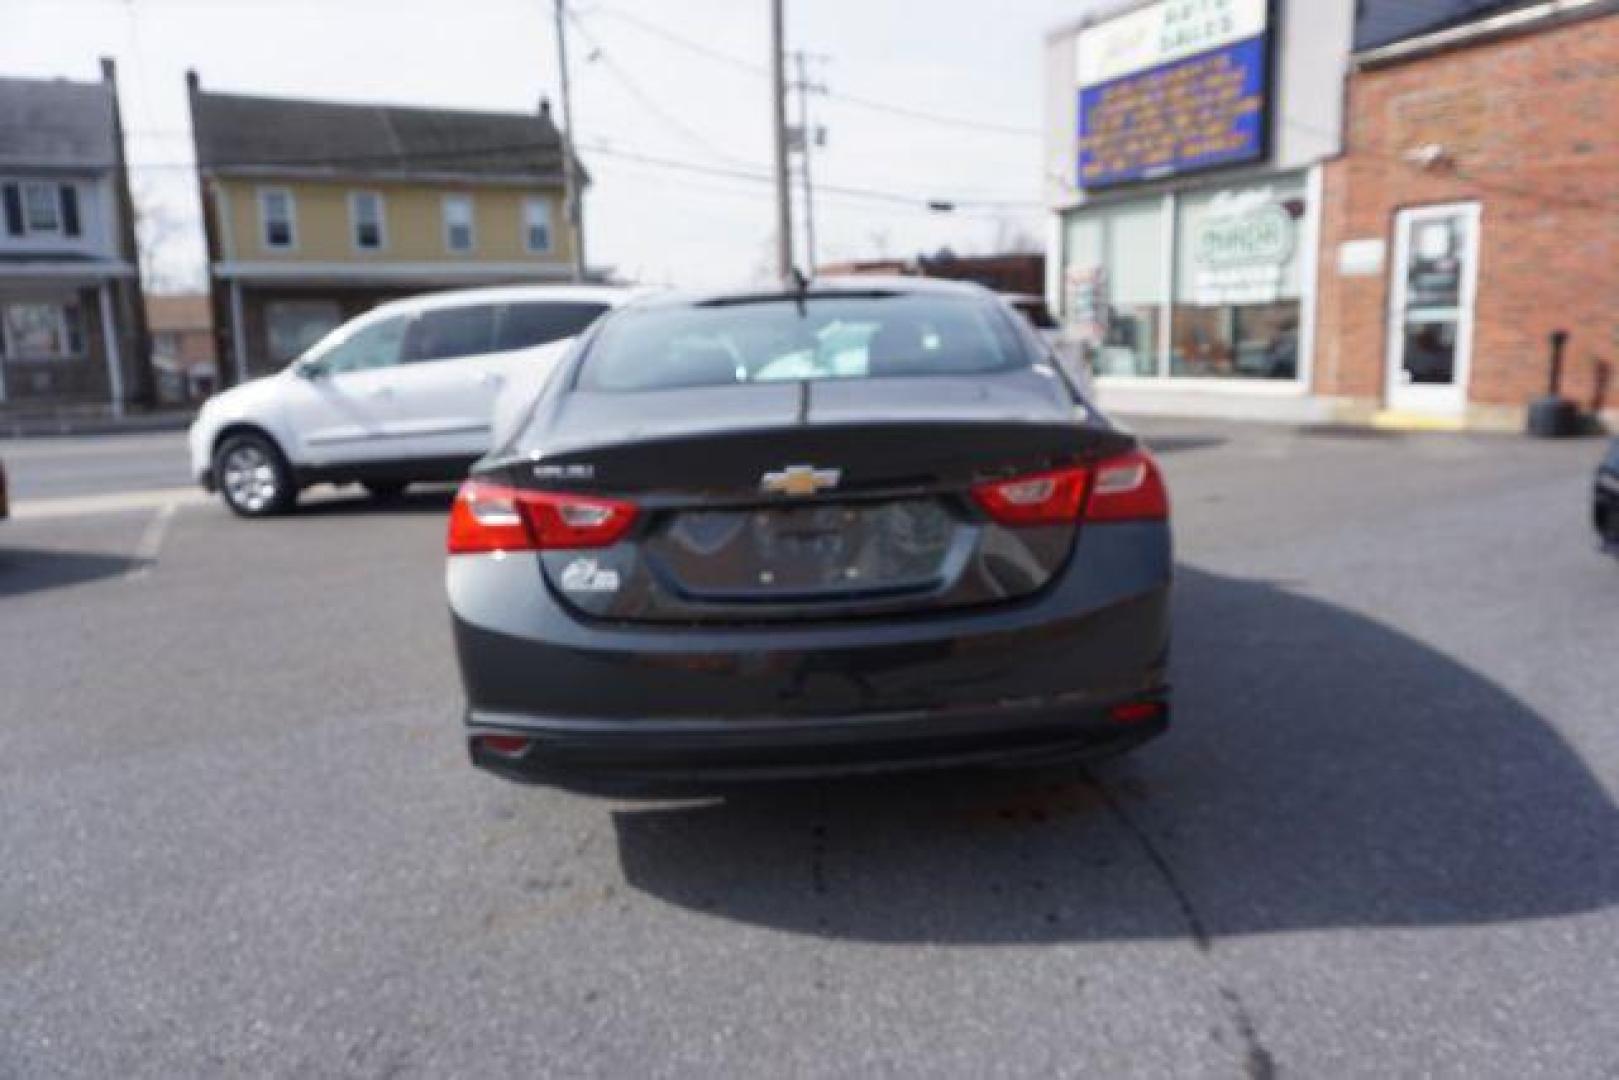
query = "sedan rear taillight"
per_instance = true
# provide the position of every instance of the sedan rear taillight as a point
(492, 517)
(1128, 488)
(1123, 488)
(1048, 498)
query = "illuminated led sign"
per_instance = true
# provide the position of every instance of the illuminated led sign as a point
(1177, 87)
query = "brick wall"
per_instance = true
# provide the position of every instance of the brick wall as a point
(1530, 126)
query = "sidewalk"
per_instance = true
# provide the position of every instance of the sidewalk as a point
(47, 425)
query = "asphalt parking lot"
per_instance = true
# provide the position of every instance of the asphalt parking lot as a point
(239, 836)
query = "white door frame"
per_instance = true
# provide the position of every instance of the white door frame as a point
(1449, 399)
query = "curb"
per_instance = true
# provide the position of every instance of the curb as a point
(61, 427)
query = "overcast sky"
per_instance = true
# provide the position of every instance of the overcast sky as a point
(637, 91)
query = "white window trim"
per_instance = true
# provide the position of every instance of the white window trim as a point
(528, 226)
(472, 224)
(354, 222)
(54, 192)
(264, 195)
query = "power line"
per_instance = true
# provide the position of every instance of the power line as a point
(608, 149)
(909, 112)
(934, 118)
(646, 100)
(707, 183)
(869, 195)
(759, 70)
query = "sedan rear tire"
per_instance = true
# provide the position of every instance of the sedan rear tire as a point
(253, 477)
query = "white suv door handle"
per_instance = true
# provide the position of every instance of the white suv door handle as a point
(490, 378)
(382, 391)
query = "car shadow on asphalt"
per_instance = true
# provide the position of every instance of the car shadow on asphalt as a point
(1325, 771)
(344, 502)
(32, 570)
(1174, 444)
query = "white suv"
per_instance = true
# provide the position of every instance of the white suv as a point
(404, 392)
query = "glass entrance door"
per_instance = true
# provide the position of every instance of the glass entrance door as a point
(1435, 271)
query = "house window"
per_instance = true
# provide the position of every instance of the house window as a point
(276, 219)
(458, 234)
(36, 208)
(42, 208)
(365, 214)
(292, 326)
(40, 330)
(537, 225)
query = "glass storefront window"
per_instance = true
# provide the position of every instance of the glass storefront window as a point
(1115, 287)
(1238, 273)
(1234, 287)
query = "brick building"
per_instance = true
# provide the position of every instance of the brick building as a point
(182, 332)
(1337, 210)
(1475, 209)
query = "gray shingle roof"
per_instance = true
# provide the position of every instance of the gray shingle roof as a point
(1384, 22)
(236, 132)
(56, 123)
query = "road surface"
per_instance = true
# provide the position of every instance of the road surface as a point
(240, 835)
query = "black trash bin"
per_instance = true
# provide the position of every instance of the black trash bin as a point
(1554, 416)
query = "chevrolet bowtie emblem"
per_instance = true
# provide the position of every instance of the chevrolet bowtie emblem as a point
(800, 480)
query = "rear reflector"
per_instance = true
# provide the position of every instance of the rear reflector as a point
(491, 517)
(1048, 498)
(510, 745)
(1136, 712)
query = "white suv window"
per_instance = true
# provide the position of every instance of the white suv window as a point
(542, 322)
(374, 346)
(450, 333)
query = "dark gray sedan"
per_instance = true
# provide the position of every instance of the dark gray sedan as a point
(756, 536)
(1605, 499)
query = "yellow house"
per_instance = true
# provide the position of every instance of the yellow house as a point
(316, 211)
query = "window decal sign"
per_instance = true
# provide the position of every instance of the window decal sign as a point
(1241, 249)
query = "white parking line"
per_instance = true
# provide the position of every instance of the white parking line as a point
(120, 502)
(151, 541)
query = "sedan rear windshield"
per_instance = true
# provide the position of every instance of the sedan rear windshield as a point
(784, 339)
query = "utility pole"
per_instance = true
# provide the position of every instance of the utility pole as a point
(570, 163)
(778, 112)
(808, 138)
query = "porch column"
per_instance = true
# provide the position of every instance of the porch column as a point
(238, 335)
(109, 338)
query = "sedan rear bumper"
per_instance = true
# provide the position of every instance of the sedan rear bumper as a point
(662, 755)
(1029, 680)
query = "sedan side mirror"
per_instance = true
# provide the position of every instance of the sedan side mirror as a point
(310, 369)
